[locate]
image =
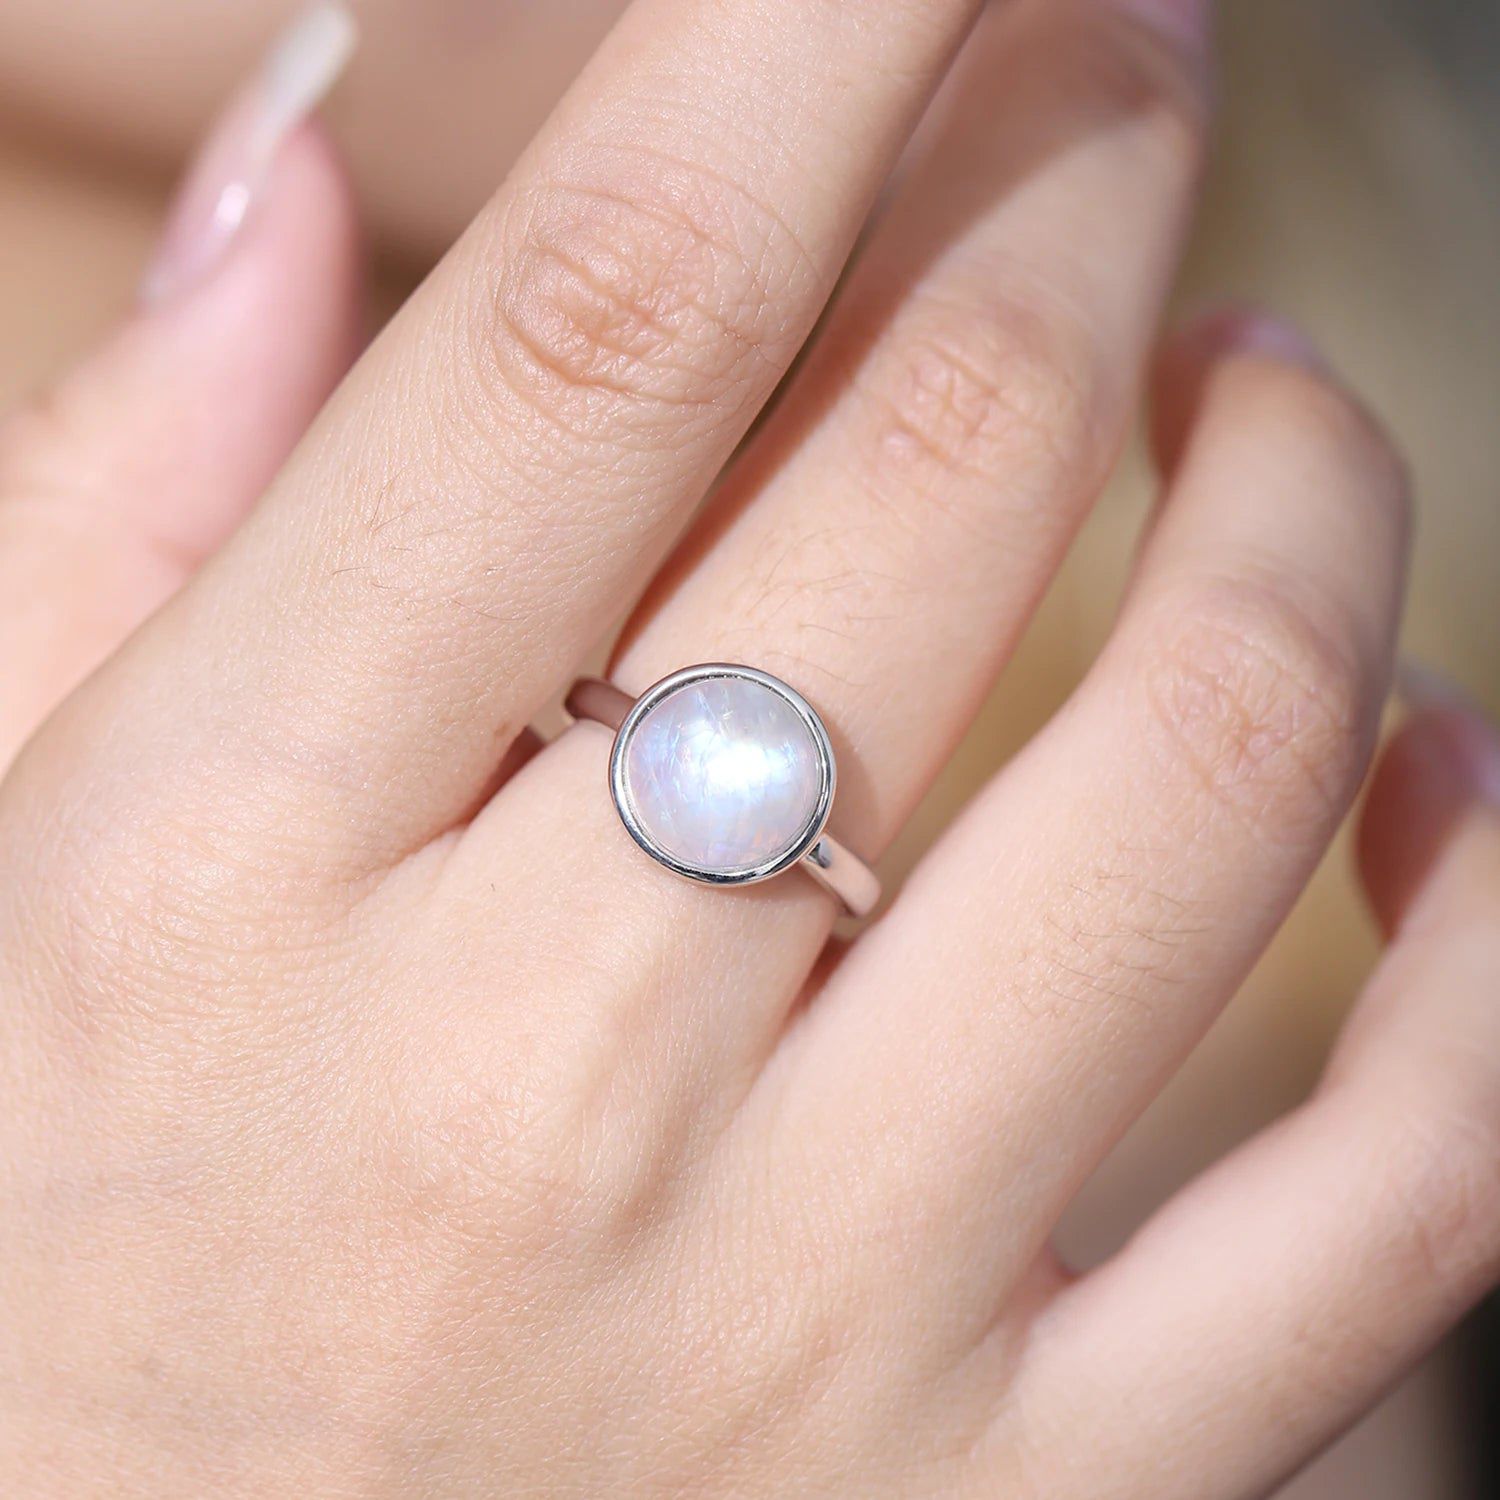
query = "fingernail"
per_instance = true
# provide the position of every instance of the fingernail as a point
(1469, 737)
(1249, 330)
(1187, 22)
(233, 167)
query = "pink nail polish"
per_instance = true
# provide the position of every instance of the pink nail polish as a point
(1264, 334)
(1188, 22)
(1236, 329)
(234, 164)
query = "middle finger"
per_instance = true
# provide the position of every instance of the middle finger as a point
(883, 555)
(471, 511)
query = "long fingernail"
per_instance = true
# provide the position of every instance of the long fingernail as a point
(1469, 737)
(233, 166)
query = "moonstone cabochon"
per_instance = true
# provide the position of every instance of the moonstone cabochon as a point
(724, 775)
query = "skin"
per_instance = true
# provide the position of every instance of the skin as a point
(379, 1122)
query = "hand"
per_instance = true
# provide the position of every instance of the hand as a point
(380, 1120)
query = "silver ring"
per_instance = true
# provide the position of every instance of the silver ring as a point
(726, 775)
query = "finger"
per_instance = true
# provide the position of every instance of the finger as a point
(968, 400)
(1266, 1307)
(894, 525)
(1184, 364)
(484, 494)
(1428, 781)
(118, 480)
(1075, 933)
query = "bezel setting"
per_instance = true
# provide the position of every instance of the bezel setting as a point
(805, 842)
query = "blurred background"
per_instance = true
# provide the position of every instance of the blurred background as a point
(1356, 186)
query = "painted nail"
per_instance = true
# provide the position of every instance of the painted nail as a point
(234, 165)
(1470, 739)
(1187, 22)
(1249, 330)
(1260, 333)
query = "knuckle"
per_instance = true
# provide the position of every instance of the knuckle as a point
(502, 1159)
(665, 287)
(794, 1350)
(483, 1152)
(976, 392)
(1115, 939)
(1442, 1174)
(154, 925)
(533, 1136)
(795, 1331)
(1263, 703)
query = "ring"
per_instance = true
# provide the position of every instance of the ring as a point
(726, 775)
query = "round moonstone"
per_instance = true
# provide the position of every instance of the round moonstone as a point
(723, 775)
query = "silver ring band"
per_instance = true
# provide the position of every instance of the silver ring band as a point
(726, 775)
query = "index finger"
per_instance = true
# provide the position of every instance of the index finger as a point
(494, 480)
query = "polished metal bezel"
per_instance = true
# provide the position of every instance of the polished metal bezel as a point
(642, 708)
